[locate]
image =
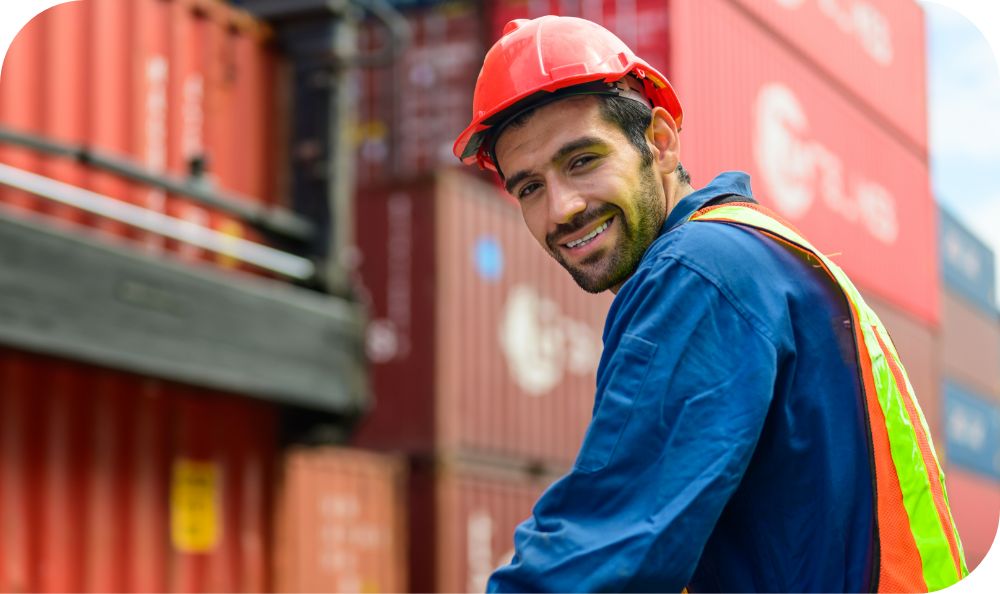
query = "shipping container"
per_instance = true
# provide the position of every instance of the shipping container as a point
(854, 189)
(341, 522)
(970, 345)
(975, 506)
(174, 85)
(480, 342)
(114, 482)
(919, 348)
(641, 24)
(875, 49)
(972, 430)
(967, 263)
(463, 516)
(410, 112)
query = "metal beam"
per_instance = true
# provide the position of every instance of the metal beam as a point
(261, 256)
(277, 221)
(73, 296)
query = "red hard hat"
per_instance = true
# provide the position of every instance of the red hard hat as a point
(538, 60)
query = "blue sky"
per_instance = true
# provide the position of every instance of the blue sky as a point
(964, 105)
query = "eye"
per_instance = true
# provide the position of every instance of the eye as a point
(527, 190)
(581, 161)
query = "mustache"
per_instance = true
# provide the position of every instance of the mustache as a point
(579, 222)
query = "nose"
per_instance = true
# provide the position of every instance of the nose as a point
(564, 203)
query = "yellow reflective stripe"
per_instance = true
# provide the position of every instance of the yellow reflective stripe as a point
(926, 526)
(925, 523)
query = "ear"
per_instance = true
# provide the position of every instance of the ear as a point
(662, 134)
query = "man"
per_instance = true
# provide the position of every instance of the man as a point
(753, 429)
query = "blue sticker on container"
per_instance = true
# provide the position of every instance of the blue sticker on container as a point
(488, 258)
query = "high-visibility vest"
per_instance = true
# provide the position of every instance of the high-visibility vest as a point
(917, 548)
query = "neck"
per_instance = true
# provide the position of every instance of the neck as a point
(675, 194)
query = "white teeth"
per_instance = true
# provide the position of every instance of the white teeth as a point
(586, 238)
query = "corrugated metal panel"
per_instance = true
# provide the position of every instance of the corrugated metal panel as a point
(641, 24)
(63, 64)
(341, 522)
(110, 110)
(110, 482)
(480, 341)
(815, 157)
(975, 505)
(874, 48)
(919, 348)
(21, 102)
(967, 263)
(160, 81)
(469, 515)
(970, 345)
(972, 430)
(411, 112)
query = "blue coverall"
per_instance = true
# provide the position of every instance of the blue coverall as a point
(728, 445)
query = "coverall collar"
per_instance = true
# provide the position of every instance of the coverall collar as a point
(727, 183)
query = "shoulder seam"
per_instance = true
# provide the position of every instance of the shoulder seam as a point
(743, 312)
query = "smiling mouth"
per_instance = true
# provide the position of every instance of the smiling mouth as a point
(590, 236)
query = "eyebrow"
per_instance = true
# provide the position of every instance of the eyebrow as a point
(570, 147)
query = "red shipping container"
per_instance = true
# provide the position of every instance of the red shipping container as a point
(480, 342)
(464, 518)
(641, 24)
(970, 344)
(158, 81)
(113, 482)
(815, 157)
(975, 505)
(876, 49)
(21, 103)
(411, 112)
(340, 522)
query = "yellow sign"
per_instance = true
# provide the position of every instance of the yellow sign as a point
(194, 514)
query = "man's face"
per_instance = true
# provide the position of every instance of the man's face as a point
(585, 193)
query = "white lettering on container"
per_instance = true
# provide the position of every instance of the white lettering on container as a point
(156, 138)
(967, 428)
(858, 19)
(962, 256)
(541, 344)
(797, 169)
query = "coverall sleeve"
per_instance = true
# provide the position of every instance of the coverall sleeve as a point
(683, 390)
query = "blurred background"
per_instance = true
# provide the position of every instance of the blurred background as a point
(259, 333)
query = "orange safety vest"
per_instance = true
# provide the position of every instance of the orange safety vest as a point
(917, 546)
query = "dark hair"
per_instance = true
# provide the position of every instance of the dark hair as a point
(631, 117)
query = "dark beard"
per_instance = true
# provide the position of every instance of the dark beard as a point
(621, 261)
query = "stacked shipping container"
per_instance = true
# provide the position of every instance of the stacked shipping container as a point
(834, 170)
(115, 482)
(823, 103)
(970, 362)
(166, 83)
(411, 113)
(340, 522)
(483, 349)
(110, 481)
